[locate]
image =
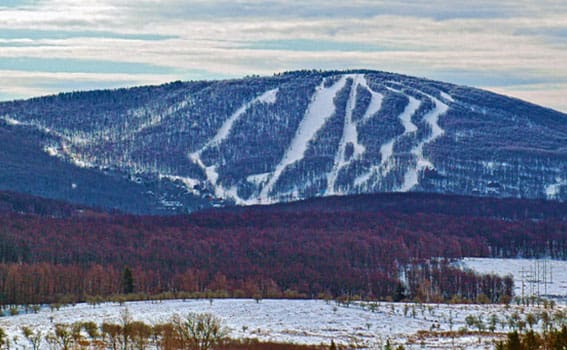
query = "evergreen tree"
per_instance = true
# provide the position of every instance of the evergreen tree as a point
(399, 293)
(127, 281)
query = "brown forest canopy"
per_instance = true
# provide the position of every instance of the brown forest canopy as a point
(268, 252)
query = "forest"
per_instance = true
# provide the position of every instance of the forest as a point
(265, 253)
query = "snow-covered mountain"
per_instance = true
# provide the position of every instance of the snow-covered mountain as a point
(270, 139)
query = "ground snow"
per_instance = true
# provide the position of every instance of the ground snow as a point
(10, 121)
(446, 96)
(188, 182)
(553, 190)
(296, 321)
(549, 279)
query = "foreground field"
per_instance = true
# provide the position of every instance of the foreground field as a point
(366, 325)
(362, 324)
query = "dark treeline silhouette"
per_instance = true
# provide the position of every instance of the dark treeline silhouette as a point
(258, 253)
(420, 202)
(12, 202)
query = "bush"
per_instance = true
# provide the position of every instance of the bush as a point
(199, 331)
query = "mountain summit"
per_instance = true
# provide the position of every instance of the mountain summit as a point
(297, 135)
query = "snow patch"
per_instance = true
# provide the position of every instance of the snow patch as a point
(552, 191)
(74, 158)
(446, 97)
(258, 179)
(489, 165)
(10, 121)
(269, 97)
(53, 151)
(171, 204)
(79, 162)
(188, 182)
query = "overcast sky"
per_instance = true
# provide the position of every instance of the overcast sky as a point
(518, 48)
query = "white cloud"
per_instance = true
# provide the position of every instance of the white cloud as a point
(513, 40)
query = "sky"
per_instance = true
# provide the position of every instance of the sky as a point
(517, 48)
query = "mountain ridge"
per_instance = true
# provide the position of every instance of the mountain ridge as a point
(259, 140)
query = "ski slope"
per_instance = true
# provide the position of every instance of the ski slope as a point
(321, 108)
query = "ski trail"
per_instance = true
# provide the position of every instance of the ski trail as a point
(269, 97)
(350, 130)
(387, 149)
(408, 112)
(321, 108)
(375, 101)
(350, 135)
(411, 177)
(154, 119)
(447, 97)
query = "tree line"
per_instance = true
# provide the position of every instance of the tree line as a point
(259, 254)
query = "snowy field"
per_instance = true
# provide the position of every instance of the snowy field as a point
(296, 321)
(547, 278)
(368, 325)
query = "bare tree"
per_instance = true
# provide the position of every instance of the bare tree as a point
(33, 337)
(199, 331)
(63, 336)
(3, 337)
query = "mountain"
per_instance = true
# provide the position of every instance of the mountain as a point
(184, 146)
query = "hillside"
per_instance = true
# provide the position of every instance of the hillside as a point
(186, 146)
(294, 252)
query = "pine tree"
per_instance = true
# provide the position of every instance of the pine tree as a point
(127, 281)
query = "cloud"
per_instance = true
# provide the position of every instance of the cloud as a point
(500, 44)
(56, 65)
(17, 84)
(8, 33)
